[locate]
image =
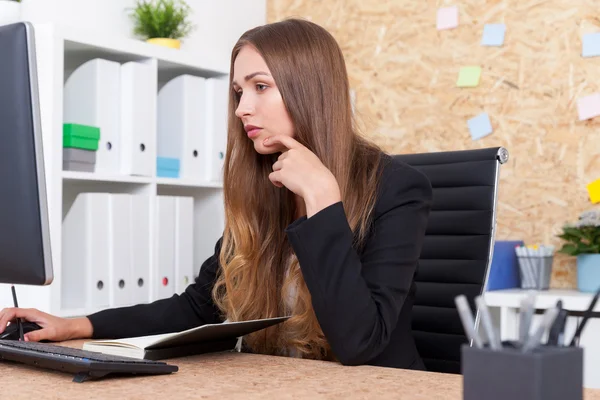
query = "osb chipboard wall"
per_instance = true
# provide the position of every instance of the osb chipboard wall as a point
(404, 73)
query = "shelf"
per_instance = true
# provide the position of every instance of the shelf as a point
(178, 182)
(76, 176)
(572, 299)
(81, 46)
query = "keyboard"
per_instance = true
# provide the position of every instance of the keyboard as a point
(83, 363)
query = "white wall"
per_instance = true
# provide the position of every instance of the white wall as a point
(219, 23)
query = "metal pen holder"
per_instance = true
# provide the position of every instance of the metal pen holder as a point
(535, 271)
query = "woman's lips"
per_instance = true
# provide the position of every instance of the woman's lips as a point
(253, 132)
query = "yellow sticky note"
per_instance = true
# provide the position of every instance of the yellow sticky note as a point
(468, 77)
(594, 191)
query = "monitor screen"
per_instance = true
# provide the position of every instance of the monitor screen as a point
(24, 235)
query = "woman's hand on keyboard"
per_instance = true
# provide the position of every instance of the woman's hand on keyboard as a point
(54, 328)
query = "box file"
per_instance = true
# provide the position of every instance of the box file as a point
(184, 242)
(106, 251)
(92, 97)
(138, 118)
(86, 252)
(163, 272)
(120, 238)
(140, 248)
(181, 133)
(217, 109)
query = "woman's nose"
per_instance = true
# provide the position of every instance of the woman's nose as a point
(244, 108)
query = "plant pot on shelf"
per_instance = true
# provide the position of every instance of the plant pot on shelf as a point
(10, 12)
(588, 272)
(167, 42)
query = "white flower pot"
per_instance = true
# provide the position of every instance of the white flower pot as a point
(10, 12)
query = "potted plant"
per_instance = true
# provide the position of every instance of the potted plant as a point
(10, 11)
(583, 241)
(162, 22)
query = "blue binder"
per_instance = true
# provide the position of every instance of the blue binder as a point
(504, 271)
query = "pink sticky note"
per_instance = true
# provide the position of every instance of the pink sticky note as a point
(589, 106)
(447, 18)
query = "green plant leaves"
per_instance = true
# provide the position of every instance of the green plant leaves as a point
(580, 240)
(161, 19)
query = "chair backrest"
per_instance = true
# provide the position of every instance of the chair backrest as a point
(457, 250)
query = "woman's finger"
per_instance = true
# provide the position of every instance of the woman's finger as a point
(275, 178)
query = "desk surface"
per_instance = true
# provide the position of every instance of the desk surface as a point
(238, 375)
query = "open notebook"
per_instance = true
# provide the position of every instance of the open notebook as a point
(203, 339)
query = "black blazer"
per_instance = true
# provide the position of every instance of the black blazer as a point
(362, 299)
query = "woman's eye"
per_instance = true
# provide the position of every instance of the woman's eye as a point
(261, 87)
(238, 94)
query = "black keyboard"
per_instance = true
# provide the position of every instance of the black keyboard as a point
(83, 363)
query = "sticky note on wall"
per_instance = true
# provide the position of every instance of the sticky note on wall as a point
(468, 77)
(588, 106)
(493, 35)
(591, 45)
(594, 191)
(480, 126)
(447, 18)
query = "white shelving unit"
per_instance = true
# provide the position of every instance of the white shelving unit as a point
(60, 50)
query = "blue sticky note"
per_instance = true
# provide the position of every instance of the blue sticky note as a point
(493, 35)
(480, 126)
(591, 45)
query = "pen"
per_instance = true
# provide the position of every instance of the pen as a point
(555, 336)
(19, 325)
(487, 323)
(534, 340)
(586, 316)
(466, 318)
(526, 313)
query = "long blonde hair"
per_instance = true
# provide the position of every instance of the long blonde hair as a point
(255, 281)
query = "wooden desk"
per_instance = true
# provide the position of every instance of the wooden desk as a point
(238, 375)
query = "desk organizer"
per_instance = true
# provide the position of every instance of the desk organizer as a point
(535, 271)
(546, 373)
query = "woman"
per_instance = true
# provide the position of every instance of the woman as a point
(320, 224)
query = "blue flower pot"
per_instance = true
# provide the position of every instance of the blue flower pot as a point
(588, 272)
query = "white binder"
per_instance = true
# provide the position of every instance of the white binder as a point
(217, 101)
(119, 267)
(164, 268)
(184, 240)
(138, 118)
(181, 121)
(91, 97)
(85, 253)
(140, 249)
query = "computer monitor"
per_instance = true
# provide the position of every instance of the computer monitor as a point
(25, 256)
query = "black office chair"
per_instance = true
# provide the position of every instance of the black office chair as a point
(457, 250)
